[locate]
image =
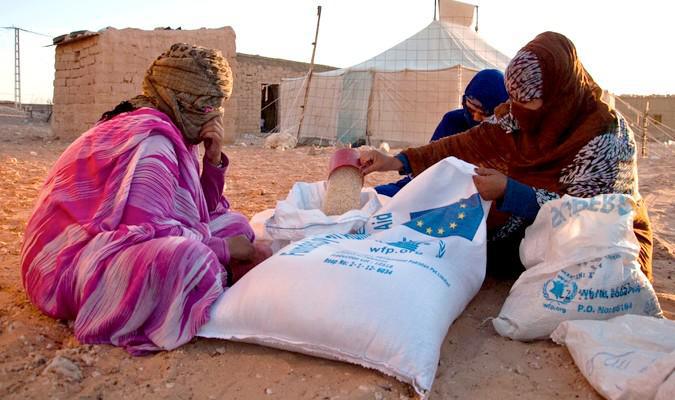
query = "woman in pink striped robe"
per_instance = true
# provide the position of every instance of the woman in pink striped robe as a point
(126, 239)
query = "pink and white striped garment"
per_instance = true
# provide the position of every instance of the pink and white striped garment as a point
(124, 239)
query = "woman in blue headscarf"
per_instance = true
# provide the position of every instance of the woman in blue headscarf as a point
(485, 92)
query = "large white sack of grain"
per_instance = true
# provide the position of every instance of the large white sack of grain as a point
(384, 298)
(581, 261)
(629, 357)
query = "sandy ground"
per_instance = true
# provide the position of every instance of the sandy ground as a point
(475, 363)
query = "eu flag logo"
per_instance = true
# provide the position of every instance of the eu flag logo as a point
(458, 219)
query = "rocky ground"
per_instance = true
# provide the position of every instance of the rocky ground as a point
(40, 359)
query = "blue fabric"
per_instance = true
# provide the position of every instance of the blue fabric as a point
(487, 86)
(390, 189)
(520, 200)
(405, 170)
(453, 122)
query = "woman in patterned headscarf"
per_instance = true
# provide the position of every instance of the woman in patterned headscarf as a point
(126, 239)
(554, 136)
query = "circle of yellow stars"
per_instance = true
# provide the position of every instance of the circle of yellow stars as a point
(440, 231)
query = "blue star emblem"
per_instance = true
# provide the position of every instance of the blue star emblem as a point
(458, 219)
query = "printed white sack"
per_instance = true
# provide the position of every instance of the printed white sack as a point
(627, 357)
(581, 261)
(300, 215)
(383, 298)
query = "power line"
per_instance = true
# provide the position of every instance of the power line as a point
(25, 30)
(17, 61)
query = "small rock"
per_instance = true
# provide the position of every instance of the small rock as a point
(535, 365)
(314, 150)
(519, 370)
(258, 376)
(268, 391)
(32, 153)
(95, 374)
(220, 350)
(387, 387)
(14, 325)
(65, 368)
(170, 385)
(378, 396)
(87, 360)
(38, 358)
(365, 388)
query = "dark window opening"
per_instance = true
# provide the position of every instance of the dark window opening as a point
(269, 108)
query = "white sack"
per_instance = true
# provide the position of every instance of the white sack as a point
(383, 299)
(627, 357)
(300, 215)
(581, 261)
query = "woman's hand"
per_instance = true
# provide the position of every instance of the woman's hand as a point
(491, 184)
(375, 160)
(213, 135)
(240, 248)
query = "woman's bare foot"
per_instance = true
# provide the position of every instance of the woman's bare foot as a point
(240, 248)
(237, 268)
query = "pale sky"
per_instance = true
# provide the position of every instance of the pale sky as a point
(627, 46)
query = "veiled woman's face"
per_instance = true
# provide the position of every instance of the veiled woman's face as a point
(477, 113)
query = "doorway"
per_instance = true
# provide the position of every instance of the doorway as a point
(269, 107)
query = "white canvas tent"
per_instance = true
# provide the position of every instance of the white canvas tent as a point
(398, 96)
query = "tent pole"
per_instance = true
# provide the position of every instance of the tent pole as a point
(645, 121)
(435, 5)
(309, 73)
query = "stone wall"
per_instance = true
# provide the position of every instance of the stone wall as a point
(254, 71)
(95, 73)
(663, 105)
(74, 87)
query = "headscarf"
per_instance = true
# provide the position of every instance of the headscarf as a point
(485, 90)
(524, 81)
(572, 114)
(188, 83)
